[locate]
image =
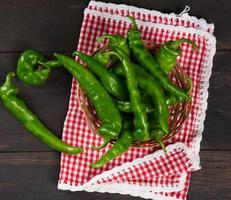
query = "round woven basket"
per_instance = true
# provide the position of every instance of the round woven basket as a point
(178, 112)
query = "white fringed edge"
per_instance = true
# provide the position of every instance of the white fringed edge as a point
(192, 153)
(203, 96)
(202, 23)
(146, 192)
(116, 190)
(158, 188)
(125, 186)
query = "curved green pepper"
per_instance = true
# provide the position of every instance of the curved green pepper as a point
(168, 52)
(146, 59)
(141, 120)
(151, 87)
(156, 93)
(116, 41)
(111, 122)
(33, 68)
(121, 145)
(156, 133)
(8, 95)
(110, 81)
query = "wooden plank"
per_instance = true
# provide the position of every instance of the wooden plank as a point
(50, 102)
(49, 25)
(44, 25)
(217, 123)
(34, 176)
(214, 180)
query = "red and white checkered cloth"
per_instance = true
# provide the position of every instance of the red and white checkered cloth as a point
(147, 173)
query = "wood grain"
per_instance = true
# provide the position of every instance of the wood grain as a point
(45, 25)
(51, 25)
(217, 124)
(34, 176)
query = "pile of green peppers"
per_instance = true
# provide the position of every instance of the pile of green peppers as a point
(131, 97)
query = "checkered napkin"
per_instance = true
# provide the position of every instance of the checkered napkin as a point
(147, 173)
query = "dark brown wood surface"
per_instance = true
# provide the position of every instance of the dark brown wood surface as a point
(28, 169)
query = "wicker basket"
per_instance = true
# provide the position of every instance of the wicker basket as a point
(178, 113)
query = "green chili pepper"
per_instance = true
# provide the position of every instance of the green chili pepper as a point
(122, 51)
(146, 59)
(33, 68)
(121, 145)
(110, 81)
(157, 135)
(168, 52)
(111, 122)
(141, 120)
(156, 132)
(8, 95)
(116, 41)
(157, 95)
(151, 87)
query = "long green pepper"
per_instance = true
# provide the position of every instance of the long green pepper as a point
(156, 133)
(110, 81)
(141, 120)
(151, 86)
(121, 145)
(114, 41)
(8, 96)
(146, 60)
(111, 122)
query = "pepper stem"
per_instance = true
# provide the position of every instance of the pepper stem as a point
(8, 88)
(53, 64)
(134, 24)
(9, 78)
(115, 54)
(43, 64)
(102, 38)
(161, 145)
(104, 144)
(176, 44)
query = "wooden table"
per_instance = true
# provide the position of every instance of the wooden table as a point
(28, 169)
